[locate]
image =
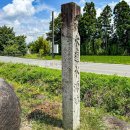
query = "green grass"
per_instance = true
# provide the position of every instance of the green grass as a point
(36, 56)
(107, 59)
(95, 59)
(107, 94)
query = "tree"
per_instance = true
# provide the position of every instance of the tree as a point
(7, 37)
(87, 29)
(41, 46)
(128, 38)
(11, 44)
(122, 24)
(106, 28)
(57, 31)
(20, 40)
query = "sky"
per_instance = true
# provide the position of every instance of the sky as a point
(32, 17)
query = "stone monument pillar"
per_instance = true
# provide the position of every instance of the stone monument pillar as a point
(70, 66)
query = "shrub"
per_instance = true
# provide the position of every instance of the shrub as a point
(11, 50)
(40, 46)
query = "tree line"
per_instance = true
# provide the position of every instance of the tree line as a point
(13, 45)
(108, 34)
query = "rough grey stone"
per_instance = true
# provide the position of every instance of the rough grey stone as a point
(9, 108)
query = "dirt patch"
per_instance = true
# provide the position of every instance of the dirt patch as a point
(48, 113)
(52, 109)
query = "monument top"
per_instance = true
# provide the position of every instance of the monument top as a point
(70, 11)
(70, 3)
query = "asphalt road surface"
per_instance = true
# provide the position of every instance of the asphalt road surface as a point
(99, 68)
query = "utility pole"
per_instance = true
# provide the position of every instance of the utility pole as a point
(52, 34)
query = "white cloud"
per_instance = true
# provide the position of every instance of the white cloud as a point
(112, 4)
(56, 13)
(82, 10)
(41, 7)
(81, 2)
(99, 10)
(32, 28)
(19, 7)
(17, 23)
(20, 15)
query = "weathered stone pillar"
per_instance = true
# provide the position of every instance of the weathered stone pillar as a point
(70, 66)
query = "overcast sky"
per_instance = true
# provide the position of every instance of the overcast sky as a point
(32, 17)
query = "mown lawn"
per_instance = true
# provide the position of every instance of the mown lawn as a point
(95, 59)
(40, 93)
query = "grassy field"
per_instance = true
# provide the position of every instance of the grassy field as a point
(107, 59)
(95, 59)
(40, 93)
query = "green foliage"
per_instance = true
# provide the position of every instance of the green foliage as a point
(41, 52)
(95, 32)
(20, 41)
(105, 28)
(11, 44)
(11, 50)
(98, 48)
(41, 46)
(122, 24)
(109, 92)
(7, 36)
(87, 29)
(114, 39)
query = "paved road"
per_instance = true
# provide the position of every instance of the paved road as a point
(99, 68)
